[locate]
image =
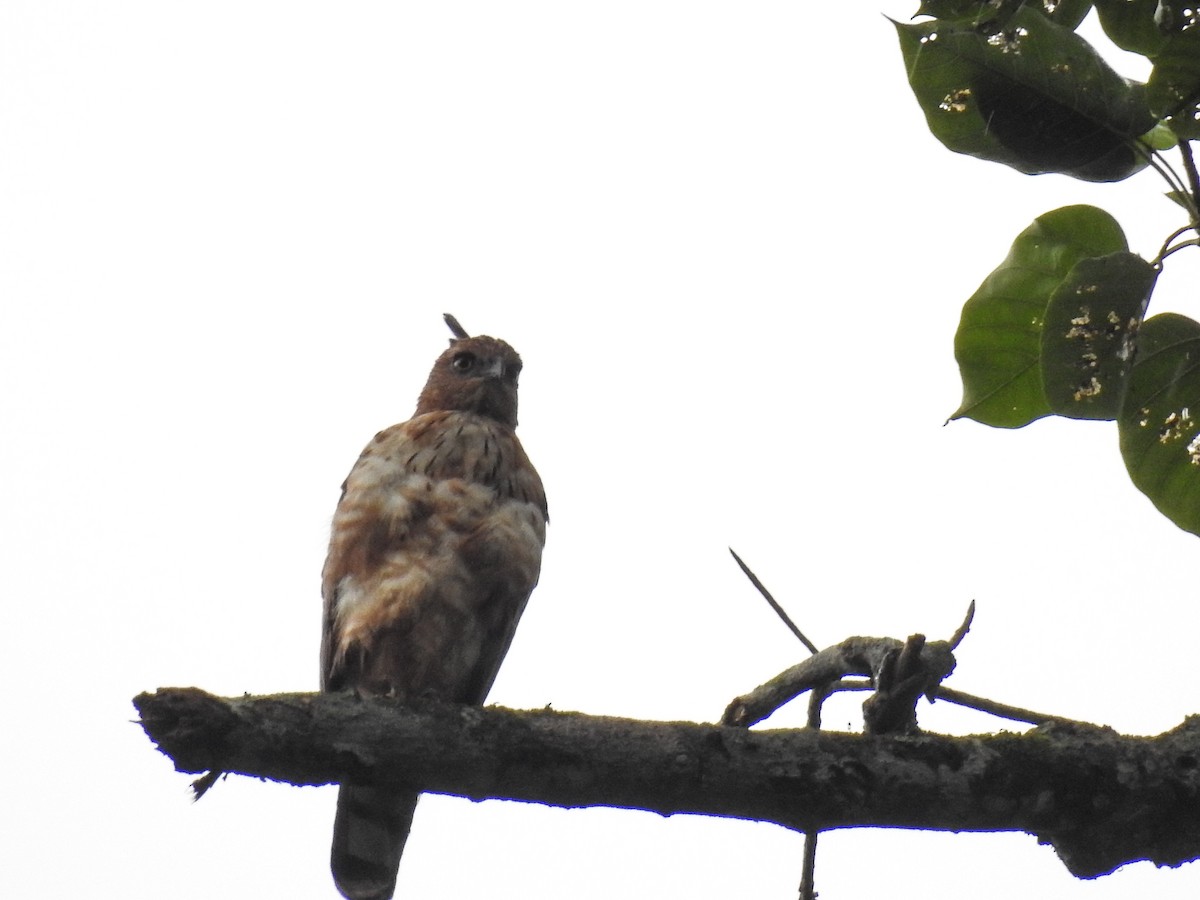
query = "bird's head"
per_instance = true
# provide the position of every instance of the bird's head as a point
(477, 374)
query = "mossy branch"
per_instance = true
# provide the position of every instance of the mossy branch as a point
(1100, 798)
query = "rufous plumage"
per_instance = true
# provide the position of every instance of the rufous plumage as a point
(435, 548)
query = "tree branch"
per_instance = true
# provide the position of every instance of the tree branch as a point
(926, 664)
(1099, 798)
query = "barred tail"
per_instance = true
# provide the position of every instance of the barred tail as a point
(368, 838)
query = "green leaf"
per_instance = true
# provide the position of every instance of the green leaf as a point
(1180, 198)
(1067, 13)
(1174, 86)
(1030, 94)
(957, 9)
(1160, 137)
(998, 342)
(1130, 25)
(1089, 334)
(1160, 420)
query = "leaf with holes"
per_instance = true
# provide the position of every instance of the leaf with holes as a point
(1028, 93)
(998, 344)
(1090, 334)
(1160, 419)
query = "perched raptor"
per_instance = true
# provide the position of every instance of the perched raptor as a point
(436, 546)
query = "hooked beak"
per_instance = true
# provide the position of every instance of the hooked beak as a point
(494, 369)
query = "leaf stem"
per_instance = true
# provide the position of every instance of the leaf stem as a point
(1194, 242)
(1160, 165)
(1165, 250)
(1189, 166)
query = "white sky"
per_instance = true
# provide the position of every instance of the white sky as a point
(733, 260)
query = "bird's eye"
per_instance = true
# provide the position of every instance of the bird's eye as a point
(463, 362)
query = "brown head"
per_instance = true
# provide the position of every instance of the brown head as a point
(477, 374)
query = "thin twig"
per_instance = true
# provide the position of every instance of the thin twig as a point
(812, 648)
(959, 698)
(957, 637)
(1002, 710)
(808, 870)
(807, 880)
(457, 330)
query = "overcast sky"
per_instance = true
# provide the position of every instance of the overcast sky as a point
(733, 259)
